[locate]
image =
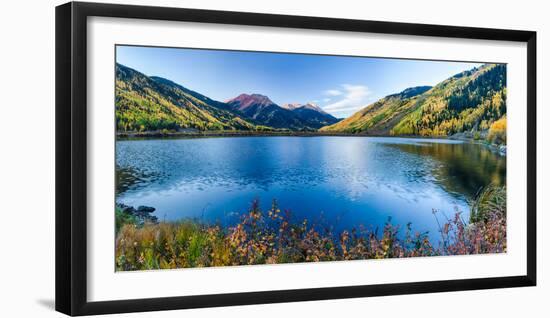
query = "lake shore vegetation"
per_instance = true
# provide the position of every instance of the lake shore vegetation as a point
(492, 137)
(274, 237)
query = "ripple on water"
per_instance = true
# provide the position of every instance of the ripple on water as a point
(351, 180)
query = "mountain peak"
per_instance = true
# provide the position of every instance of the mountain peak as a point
(247, 99)
(291, 106)
(313, 106)
(309, 105)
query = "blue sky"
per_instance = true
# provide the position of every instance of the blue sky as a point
(340, 85)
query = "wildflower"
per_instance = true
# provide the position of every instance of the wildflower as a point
(255, 241)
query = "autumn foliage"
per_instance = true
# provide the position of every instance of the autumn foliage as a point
(497, 132)
(269, 237)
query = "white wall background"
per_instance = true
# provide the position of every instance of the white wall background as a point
(27, 158)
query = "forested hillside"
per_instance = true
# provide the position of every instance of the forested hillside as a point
(152, 103)
(379, 117)
(471, 101)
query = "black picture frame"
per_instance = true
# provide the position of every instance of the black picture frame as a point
(71, 157)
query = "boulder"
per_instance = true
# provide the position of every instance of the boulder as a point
(145, 209)
(142, 213)
(126, 208)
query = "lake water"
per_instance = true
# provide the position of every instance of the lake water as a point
(342, 181)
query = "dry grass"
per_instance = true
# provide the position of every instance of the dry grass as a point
(268, 237)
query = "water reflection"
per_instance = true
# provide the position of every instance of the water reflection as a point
(348, 180)
(462, 168)
(131, 178)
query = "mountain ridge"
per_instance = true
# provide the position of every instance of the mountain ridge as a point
(152, 103)
(376, 117)
(468, 101)
(293, 116)
(144, 103)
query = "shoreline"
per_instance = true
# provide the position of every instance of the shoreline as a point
(158, 134)
(203, 134)
(273, 237)
(501, 149)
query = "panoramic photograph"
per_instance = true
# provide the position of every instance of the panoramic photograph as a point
(231, 158)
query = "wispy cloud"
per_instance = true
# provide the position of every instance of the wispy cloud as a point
(333, 92)
(353, 98)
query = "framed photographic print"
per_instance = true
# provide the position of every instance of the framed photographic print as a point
(208, 158)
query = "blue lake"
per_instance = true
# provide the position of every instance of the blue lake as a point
(342, 181)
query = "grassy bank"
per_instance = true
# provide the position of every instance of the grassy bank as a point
(269, 237)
